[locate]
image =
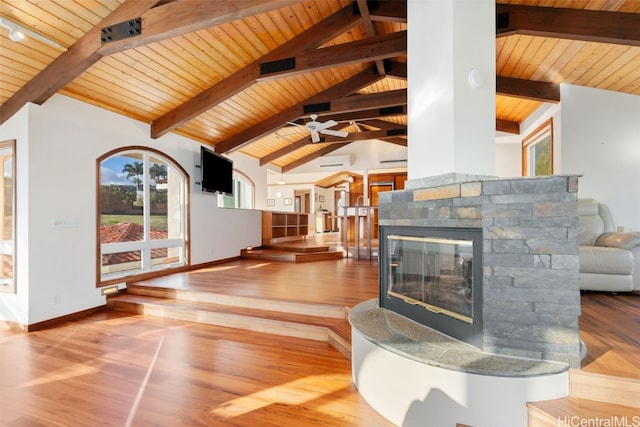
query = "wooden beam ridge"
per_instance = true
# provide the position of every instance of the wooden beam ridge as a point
(292, 113)
(576, 24)
(508, 126)
(306, 159)
(71, 63)
(370, 48)
(311, 38)
(528, 89)
(181, 17)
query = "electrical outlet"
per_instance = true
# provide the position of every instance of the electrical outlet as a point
(64, 222)
(620, 228)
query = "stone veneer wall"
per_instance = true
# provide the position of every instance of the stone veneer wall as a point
(531, 296)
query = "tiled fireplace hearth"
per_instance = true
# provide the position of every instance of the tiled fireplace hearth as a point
(528, 301)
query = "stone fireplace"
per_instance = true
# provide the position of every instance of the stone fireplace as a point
(429, 275)
(492, 262)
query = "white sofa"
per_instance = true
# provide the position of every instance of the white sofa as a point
(609, 260)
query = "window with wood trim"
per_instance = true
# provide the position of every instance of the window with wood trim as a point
(243, 190)
(537, 151)
(7, 223)
(142, 214)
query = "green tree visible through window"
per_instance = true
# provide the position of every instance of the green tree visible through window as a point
(142, 213)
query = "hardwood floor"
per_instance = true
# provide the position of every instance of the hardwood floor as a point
(610, 327)
(117, 369)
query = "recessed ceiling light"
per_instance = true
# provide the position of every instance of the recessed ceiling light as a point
(16, 35)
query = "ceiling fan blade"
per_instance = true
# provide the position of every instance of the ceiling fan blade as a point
(315, 136)
(327, 124)
(339, 133)
(296, 124)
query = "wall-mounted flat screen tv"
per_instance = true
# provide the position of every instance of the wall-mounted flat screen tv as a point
(217, 172)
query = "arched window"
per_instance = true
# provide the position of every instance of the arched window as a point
(242, 193)
(142, 214)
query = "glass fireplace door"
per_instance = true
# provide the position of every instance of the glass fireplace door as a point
(435, 273)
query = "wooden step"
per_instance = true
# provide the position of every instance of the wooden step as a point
(269, 304)
(335, 331)
(269, 254)
(605, 388)
(614, 400)
(302, 247)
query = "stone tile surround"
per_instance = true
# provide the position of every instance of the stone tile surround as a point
(531, 296)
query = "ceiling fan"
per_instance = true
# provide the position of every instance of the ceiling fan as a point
(316, 128)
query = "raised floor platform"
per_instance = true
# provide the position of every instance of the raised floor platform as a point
(290, 252)
(414, 376)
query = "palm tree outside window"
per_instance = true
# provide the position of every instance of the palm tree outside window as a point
(142, 218)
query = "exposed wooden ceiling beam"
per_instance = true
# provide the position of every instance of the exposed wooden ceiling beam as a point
(181, 17)
(390, 11)
(396, 69)
(577, 24)
(296, 145)
(508, 126)
(397, 140)
(371, 30)
(382, 124)
(306, 159)
(292, 113)
(71, 63)
(528, 89)
(369, 49)
(370, 114)
(313, 37)
(167, 20)
(367, 101)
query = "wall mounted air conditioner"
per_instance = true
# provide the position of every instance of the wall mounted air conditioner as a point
(392, 157)
(334, 161)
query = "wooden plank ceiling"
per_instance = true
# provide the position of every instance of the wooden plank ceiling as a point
(236, 74)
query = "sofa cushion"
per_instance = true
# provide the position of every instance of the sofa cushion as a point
(600, 259)
(590, 224)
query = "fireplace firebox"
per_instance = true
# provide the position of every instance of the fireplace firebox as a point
(434, 277)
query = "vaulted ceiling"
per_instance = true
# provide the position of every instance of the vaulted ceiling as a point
(247, 75)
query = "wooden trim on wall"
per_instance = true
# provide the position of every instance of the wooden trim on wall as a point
(527, 140)
(46, 324)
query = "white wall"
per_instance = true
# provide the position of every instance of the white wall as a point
(57, 179)
(596, 134)
(601, 142)
(15, 307)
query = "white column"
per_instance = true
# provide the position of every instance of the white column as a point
(451, 119)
